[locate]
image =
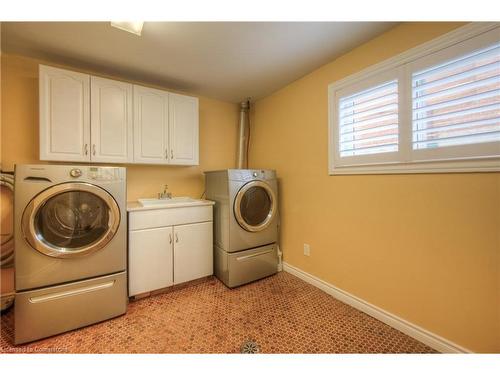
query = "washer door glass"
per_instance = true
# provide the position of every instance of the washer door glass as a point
(255, 206)
(72, 220)
(65, 221)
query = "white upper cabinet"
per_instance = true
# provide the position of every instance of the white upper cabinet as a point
(150, 126)
(111, 127)
(93, 119)
(64, 115)
(183, 129)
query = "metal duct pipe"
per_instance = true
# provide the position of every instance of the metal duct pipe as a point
(243, 136)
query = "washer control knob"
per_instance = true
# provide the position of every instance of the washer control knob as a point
(254, 174)
(75, 172)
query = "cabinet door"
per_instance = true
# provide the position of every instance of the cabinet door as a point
(193, 251)
(111, 121)
(150, 126)
(183, 129)
(64, 114)
(149, 260)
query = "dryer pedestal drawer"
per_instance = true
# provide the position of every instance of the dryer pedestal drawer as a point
(242, 267)
(48, 311)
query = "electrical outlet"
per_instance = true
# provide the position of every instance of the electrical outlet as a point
(307, 249)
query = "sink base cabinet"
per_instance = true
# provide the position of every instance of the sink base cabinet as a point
(160, 257)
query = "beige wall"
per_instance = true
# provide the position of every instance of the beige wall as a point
(424, 247)
(19, 138)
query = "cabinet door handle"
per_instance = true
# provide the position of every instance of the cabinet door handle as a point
(171, 154)
(93, 149)
(86, 149)
(176, 237)
(166, 153)
(170, 238)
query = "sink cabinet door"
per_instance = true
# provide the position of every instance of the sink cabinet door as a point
(193, 251)
(150, 260)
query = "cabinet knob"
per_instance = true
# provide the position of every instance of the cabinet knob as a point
(86, 149)
(93, 149)
(176, 237)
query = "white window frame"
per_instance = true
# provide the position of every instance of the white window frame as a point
(401, 67)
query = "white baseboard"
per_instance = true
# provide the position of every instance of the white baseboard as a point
(434, 341)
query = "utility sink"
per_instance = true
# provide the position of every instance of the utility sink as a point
(147, 202)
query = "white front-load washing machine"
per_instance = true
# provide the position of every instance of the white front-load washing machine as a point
(245, 223)
(70, 248)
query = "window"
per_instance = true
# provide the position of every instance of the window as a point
(434, 108)
(368, 121)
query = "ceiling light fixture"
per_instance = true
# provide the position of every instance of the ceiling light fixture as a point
(131, 27)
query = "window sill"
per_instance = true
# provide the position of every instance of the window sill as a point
(462, 166)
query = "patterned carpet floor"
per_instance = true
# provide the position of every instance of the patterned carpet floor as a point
(281, 314)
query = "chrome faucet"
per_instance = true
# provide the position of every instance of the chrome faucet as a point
(165, 194)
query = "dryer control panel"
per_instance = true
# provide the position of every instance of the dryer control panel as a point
(251, 174)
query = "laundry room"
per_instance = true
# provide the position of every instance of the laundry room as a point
(250, 186)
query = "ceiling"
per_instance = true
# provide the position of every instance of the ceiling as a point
(224, 60)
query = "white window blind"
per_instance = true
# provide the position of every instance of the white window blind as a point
(368, 121)
(457, 102)
(434, 108)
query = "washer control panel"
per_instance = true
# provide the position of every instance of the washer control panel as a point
(104, 173)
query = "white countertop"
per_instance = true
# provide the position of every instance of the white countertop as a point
(136, 206)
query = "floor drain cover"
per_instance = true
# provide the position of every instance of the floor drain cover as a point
(249, 347)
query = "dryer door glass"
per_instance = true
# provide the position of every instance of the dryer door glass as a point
(71, 221)
(255, 206)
